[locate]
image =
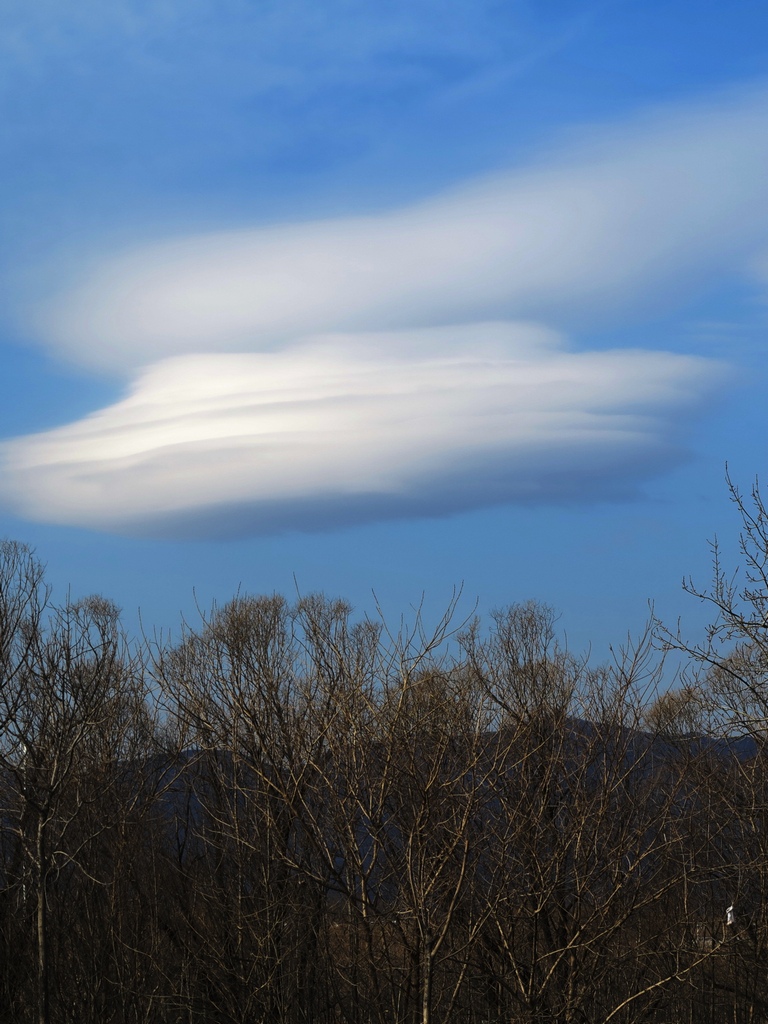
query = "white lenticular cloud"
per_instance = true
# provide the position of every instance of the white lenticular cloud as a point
(312, 375)
(635, 214)
(347, 428)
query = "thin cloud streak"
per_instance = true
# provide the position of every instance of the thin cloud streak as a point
(348, 428)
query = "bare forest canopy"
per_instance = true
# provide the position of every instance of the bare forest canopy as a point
(291, 816)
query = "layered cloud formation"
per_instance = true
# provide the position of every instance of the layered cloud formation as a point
(316, 374)
(343, 429)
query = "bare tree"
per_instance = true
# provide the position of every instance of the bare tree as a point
(732, 660)
(70, 710)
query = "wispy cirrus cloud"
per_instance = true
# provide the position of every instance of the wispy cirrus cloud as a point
(316, 374)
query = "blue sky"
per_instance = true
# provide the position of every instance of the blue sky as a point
(382, 297)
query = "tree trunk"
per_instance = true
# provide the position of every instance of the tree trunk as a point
(43, 993)
(426, 980)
